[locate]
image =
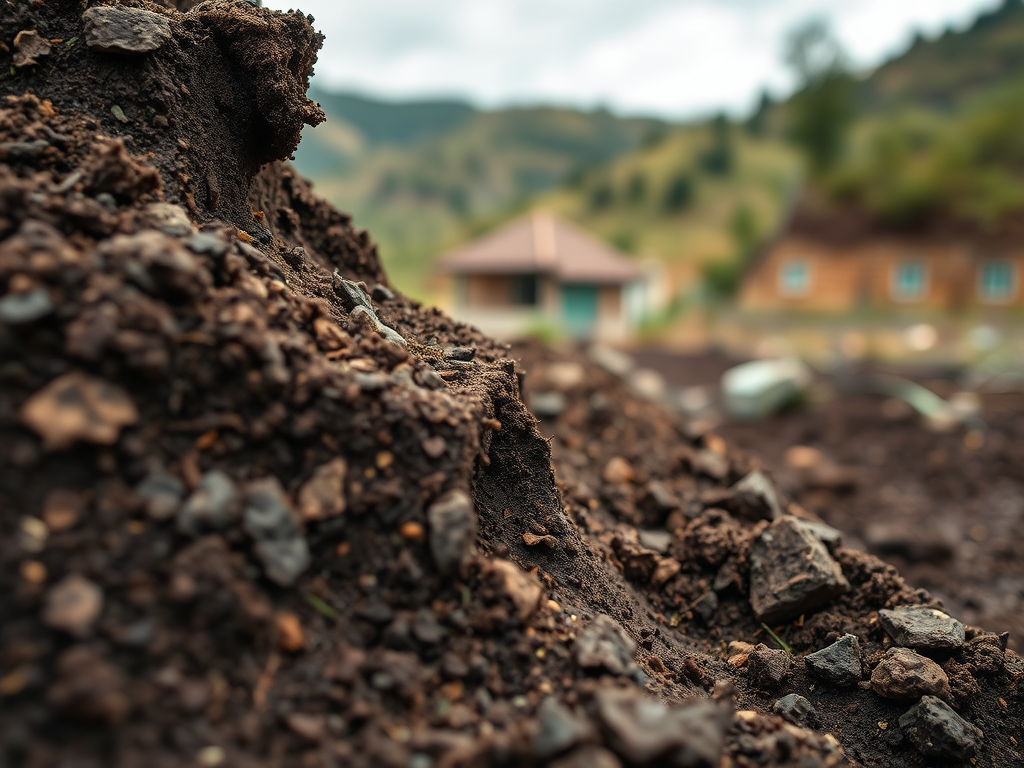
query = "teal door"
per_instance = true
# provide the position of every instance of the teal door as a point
(579, 309)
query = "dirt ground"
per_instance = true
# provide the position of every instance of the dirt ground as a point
(258, 509)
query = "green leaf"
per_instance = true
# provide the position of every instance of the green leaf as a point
(118, 113)
(318, 605)
(782, 643)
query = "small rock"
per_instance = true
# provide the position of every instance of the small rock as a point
(791, 573)
(127, 31)
(212, 506)
(169, 218)
(206, 244)
(89, 688)
(642, 730)
(917, 626)
(657, 540)
(453, 522)
(903, 674)
(312, 728)
(77, 407)
(603, 644)
(712, 464)
(463, 354)
(588, 756)
(22, 308)
(559, 730)
(267, 514)
(290, 636)
(283, 560)
(755, 498)
(824, 532)
(73, 605)
(768, 667)
(162, 493)
(521, 587)
(797, 710)
(323, 495)
(62, 509)
(839, 663)
(705, 608)
(936, 730)
(29, 47)
(985, 653)
(618, 471)
(381, 293)
(547, 405)
(434, 447)
(914, 542)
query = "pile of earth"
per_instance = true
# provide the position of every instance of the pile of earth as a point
(256, 508)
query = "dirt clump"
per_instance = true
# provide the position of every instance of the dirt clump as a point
(260, 509)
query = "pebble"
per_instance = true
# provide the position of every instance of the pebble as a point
(559, 730)
(212, 506)
(382, 293)
(917, 626)
(76, 407)
(126, 31)
(903, 674)
(791, 573)
(642, 730)
(656, 540)
(434, 447)
(522, 588)
(169, 218)
(267, 514)
(29, 47)
(73, 605)
(62, 509)
(453, 523)
(322, 497)
(162, 493)
(936, 730)
(283, 560)
(603, 644)
(312, 728)
(768, 667)
(206, 244)
(755, 498)
(617, 471)
(547, 405)
(588, 756)
(797, 710)
(839, 663)
(22, 308)
(290, 636)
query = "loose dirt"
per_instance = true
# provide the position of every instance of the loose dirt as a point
(243, 523)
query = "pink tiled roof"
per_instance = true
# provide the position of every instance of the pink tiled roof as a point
(541, 243)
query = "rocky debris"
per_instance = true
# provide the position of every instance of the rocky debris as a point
(656, 541)
(73, 605)
(559, 730)
(88, 688)
(520, 587)
(986, 653)
(452, 525)
(588, 757)
(546, 405)
(797, 710)
(29, 48)
(77, 407)
(761, 387)
(911, 541)
(918, 626)
(839, 663)
(168, 218)
(903, 674)
(642, 730)
(323, 495)
(213, 506)
(603, 644)
(126, 31)
(791, 573)
(937, 731)
(618, 471)
(22, 308)
(162, 493)
(357, 302)
(269, 520)
(754, 498)
(768, 667)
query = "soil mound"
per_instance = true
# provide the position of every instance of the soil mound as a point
(256, 508)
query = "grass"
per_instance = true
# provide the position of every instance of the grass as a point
(781, 643)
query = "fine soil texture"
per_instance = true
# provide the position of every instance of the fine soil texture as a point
(257, 508)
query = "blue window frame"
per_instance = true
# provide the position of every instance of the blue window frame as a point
(794, 278)
(997, 281)
(909, 281)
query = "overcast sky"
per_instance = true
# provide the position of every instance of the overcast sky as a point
(676, 58)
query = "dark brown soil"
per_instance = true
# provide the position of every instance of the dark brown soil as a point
(237, 522)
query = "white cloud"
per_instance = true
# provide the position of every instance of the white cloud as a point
(670, 57)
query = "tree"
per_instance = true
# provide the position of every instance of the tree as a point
(821, 110)
(679, 193)
(717, 159)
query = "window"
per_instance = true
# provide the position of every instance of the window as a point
(794, 278)
(524, 290)
(997, 281)
(909, 280)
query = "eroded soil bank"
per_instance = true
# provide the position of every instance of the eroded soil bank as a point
(257, 508)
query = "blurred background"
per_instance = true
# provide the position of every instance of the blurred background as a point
(800, 223)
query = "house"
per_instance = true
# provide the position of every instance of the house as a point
(540, 270)
(838, 266)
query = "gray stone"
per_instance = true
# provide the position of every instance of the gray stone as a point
(206, 244)
(768, 667)
(903, 674)
(603, 644)
(706, 607)
(658, 541)
(453, 523)
(284, 560)
(917, 626)
(126, 31)
(797, 710)
(212, 506)
(791, 573)
(267, 514)
(21, 308)
(547, 405)
(755, 498)
(936, 730)
(828, 535)
(169, 218)
(839, 663)
(641, 729)
(560, 730)
(162, 492)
